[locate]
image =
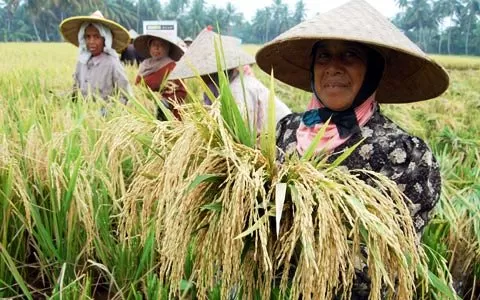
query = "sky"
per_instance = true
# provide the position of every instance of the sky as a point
(387, 7)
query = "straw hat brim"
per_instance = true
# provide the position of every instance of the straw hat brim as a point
(141, 46)
(409, 75)
(200, 59)
(70, 27)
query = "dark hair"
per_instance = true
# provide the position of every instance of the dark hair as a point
(150, 41)
(373, 75)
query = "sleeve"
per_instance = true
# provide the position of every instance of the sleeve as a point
(255, 102)
(76, 84)
(121, 81)
(281, 109)
(410, 163)
(418, 176)
(407, 161)
(286, 138)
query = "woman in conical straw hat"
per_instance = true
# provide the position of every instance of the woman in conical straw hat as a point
(98, 71)
(161, 54)
(200, 60)
(351, 59)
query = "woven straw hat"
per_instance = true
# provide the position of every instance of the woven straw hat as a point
(70, 27)
(142, 41)
(409, 76)
(200, 56)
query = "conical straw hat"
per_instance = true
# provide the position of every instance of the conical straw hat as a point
(409, 76)
(70, 27)
(201, 58)
(141, 45)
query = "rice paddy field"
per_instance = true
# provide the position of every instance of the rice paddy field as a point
(126, 207)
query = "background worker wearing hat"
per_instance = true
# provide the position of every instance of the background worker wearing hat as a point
(130, 56)
(161, 55)
(351, 59)
(98, 71)
(250, 95)
(188, 41)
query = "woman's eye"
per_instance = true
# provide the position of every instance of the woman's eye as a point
(323, 56)
(350, 54)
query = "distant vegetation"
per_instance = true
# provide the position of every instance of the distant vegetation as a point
(437, 26)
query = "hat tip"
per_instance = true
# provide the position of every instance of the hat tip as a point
(97, 14)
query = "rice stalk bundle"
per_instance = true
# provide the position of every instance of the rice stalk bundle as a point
(215, 195)
(205, 189)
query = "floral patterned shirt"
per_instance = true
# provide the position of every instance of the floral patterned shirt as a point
(389, 150)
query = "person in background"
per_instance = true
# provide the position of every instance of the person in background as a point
(352, 59)
(250, 94)
(181, 44)
(98, 72)
(130, 56)
(188, 41)
(161, 54)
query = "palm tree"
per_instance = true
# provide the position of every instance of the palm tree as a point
(175, 8)
(402, 3)
(280, 17)
(35, 8)
(148, 10)
(231, 17)
(120, 11)
(299, 15)
(419, 18)
(10, 8)
(197, 16)
(472, 9)
(447, 9)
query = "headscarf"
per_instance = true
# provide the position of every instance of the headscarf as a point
(343, 123)
(313, 120)
(153, 64)
(83, 53)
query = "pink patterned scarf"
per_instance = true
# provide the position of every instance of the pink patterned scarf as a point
(331, 138)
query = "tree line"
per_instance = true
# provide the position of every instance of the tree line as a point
(437, 26)
(38, 20)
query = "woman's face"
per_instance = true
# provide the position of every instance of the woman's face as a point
(340, 68)
(159, 48)
(95, 42)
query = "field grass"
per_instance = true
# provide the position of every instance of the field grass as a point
(65, 172)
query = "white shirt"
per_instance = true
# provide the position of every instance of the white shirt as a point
(254, 102)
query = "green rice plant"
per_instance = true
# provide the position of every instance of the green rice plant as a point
(90, 207)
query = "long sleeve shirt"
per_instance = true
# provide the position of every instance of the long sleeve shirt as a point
(102, 76)
(254, 102)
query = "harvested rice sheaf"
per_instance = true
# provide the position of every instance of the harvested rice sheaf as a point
(211, 196)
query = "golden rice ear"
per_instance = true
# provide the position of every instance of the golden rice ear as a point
(209, 194)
